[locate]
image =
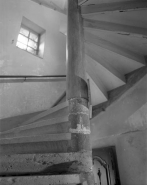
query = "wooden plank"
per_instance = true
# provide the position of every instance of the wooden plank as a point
(43, 180)
(42, 123)
(39, 138)
(76, 76)
(93, 75)
(115, 27)
(51, 129)
(30, 79)
(17, 121)
(97, 96)
(91, 38)
(47, 112)
(12, 122)
(115, 6)
(116, 94)
(91, 51)
(44, 147)
(50, 4)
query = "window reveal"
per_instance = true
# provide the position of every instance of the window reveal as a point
(28, 40)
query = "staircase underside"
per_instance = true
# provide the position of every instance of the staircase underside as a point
(115, 42)
(39, 144)
(50, 130)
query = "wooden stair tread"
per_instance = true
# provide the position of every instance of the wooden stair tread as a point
(115, 27)
(115, 94)
(93, 38)
(45, 113)
(43, 180)
(107, 79)
(91, 51)
(112, 7)
(98, 93)
(37, 138)
(38, 124)
(48, 129)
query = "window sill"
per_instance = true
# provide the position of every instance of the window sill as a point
(29, 53)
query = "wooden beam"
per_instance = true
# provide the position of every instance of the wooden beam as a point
(59, 128)
(116, 27)
(47, 112)
(116, 6)
(91, 38)
(92, 72)
(11, 122)
(36, 139)
(50, 4)
(43, 147)
(17, 121)
(44, 180)
(97, 96)
(77, 89)
(42, 123)
(76, 75)
(116, 94)
(91, 51)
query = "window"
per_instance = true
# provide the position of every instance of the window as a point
(31, 38)
(28, 41)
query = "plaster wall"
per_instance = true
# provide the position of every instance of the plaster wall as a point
(124, 125)
(21, 98)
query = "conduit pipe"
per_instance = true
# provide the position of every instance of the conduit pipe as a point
(18, 79)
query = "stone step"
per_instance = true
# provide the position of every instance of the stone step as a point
(43, 123)
(42, 164)
(37, 147)
(36, 139)
(41, 180)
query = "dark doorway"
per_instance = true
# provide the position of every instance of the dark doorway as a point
(105, 166)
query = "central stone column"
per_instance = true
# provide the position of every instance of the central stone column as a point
(77, 92)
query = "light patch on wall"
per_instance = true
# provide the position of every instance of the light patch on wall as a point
(1, 63)
(138, 120)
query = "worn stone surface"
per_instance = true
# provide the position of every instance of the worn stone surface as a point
(45, 163)
(41, 147)
(116, 94)
(80, 129)
(79, 116)
(44, 180)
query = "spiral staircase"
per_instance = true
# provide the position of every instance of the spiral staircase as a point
(115, 41)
